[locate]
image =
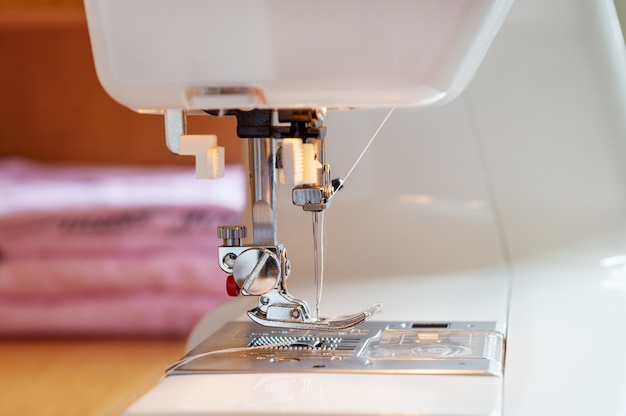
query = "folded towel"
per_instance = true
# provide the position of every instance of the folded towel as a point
(131, 250)
(132, 313)
(190, 270)
(34, 187)
(98, 231)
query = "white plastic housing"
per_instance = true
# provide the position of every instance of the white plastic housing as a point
(209, 156)
(153, 55)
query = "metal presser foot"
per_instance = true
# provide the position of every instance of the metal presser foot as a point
(318, 324)
(263, 271)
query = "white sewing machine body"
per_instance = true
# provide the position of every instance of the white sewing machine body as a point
(199, 54)
(503, 206)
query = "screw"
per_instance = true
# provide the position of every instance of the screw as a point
(229, 260)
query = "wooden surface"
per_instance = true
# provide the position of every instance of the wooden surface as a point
(40, 4)
(80, 376)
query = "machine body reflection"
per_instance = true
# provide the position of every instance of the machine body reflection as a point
(451, 220)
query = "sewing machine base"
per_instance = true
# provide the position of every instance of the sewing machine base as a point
(458, 348)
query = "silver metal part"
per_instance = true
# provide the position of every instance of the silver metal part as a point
(257, 271)
(315, 197)
(297, 321)
(278, 307)
(311, 198)
(232, 234)
(262, 153)
(228, 255)
(466, 348)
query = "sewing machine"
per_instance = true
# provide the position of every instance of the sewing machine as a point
(453, 237)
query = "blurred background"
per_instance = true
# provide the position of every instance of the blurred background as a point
(54, 111)
(52, 107)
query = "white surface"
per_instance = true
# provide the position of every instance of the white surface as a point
(208, 155)
(551, 121)
(314, 394)
(567, 337)
(524, 174)
(152, 54)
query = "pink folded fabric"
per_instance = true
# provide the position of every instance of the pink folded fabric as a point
(32, 187)
(98, 231)
(187, 269)
(111, 249)
(132, 313)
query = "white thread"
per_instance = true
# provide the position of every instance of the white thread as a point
(187, 360)
(367, 146)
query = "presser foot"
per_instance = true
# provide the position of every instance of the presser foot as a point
(318, 324)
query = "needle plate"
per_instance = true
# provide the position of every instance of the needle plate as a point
(372, 347)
